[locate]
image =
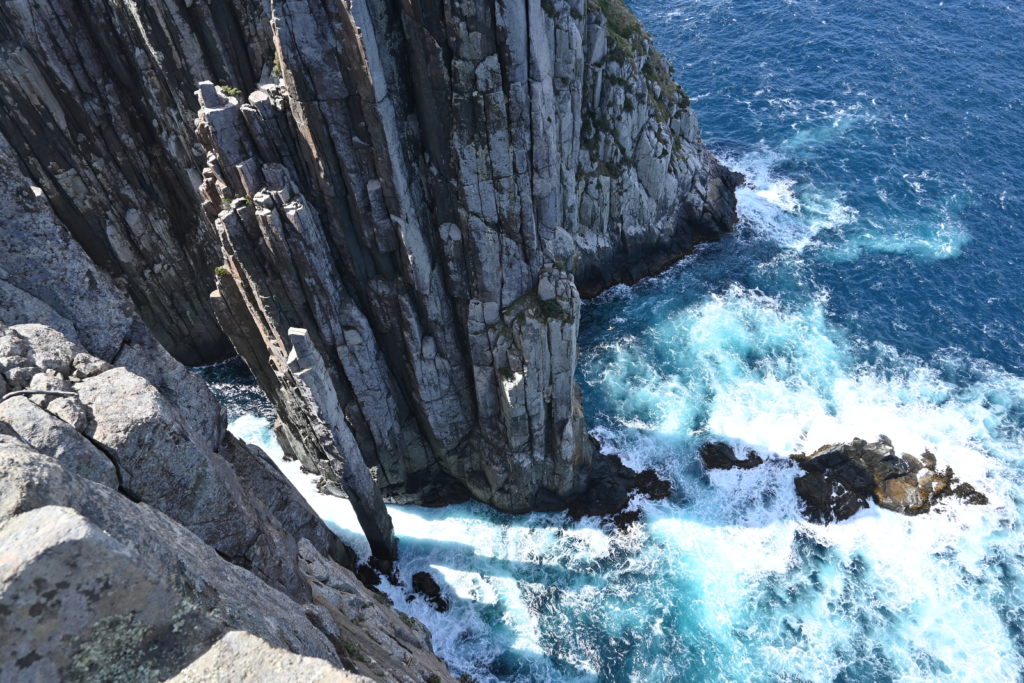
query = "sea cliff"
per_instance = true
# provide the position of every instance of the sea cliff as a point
(397, 207)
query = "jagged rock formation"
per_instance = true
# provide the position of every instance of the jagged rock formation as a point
(324, 417)
(838, 480)
(137, 532)
(425, 193)
(98, 108)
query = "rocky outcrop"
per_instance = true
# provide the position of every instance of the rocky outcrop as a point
(336, 440)
(840, 479)
(721, 456)
(98, 108)
(136, 531)
(95, 586)
(424, 193)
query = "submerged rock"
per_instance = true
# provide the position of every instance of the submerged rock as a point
(721, 456)
(840, 479)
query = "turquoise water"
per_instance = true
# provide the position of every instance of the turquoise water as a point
(873, 287)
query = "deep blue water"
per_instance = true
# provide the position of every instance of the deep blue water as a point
(874, 286)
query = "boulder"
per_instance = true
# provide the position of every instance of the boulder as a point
(424, 584)
(721, 456)
(58, 439)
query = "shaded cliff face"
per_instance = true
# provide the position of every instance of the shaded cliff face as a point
(425, 193)
(98, 107)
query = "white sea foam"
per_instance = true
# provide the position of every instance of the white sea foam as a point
(731, 567)
(775, 207)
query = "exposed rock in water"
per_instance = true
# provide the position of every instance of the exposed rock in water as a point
(425, 584)
(137, 533)
(431, 220)
(608, 491)
(840, 479)
(721, 456)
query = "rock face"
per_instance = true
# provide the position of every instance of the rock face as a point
(98, 109)
(426, 193)
(137, 533)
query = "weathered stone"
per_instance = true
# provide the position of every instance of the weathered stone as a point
(59, 440)
(260, 477)
(98, 109)
(336, 441)
(96, 583)
(841, 479)
(160, 464)
(373, 639)
(91, 582)
(69, 409)
(244, 658)
(721, 456)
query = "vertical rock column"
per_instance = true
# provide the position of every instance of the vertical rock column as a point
(337, 442)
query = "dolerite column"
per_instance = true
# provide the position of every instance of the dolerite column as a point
(338, 443)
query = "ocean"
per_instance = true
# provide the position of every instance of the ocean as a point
(873, 286)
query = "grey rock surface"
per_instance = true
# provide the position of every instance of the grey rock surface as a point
(95, 586)
(136, 532)
(431, 222)
(243, 658)
(92, 581)
(53, 436)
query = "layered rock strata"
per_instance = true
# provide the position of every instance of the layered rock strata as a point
(98, 108)
(137, 533)
(426, 192)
